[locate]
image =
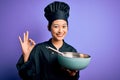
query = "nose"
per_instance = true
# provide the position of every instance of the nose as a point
(60, 29)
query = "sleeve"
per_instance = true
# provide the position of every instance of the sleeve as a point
(27, 70)
(73, 49)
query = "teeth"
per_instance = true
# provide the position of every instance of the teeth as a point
(59, 34)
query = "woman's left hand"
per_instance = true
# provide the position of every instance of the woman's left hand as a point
(72, 72)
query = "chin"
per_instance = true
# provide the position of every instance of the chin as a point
(59, 38)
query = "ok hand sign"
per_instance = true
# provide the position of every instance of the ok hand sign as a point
(26, 45)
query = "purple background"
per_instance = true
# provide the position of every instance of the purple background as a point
(94, 28)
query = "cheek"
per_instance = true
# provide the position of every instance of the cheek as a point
(66, 30)
(53, 31)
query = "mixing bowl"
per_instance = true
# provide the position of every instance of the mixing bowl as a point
(74, 61)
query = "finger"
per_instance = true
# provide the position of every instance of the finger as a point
(72, 70)
(20, 40)
(27, 35)
(32, 41)
(24, 37)
(76, 70)
(68, 70)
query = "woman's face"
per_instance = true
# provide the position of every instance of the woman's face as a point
(59, 29)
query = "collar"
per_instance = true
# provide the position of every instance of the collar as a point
(51, 44)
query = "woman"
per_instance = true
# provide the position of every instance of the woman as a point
(39, 63)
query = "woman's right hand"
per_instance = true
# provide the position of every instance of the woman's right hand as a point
(26, 45)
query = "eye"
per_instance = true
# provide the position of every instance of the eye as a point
(65, 26)
(55, 26)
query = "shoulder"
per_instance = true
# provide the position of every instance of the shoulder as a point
(41, 45)
(39, 48)
(70, 47)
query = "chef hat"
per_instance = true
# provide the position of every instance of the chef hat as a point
(57, 10)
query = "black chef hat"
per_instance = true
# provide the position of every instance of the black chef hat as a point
(57, 10)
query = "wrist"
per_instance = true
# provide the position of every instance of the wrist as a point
(25, 58)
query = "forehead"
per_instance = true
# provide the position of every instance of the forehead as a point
(59, 22)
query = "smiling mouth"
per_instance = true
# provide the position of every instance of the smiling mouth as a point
(59, 35)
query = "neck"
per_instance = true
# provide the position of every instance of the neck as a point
(57, 44)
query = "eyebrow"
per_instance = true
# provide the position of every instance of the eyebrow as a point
(58, 24)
